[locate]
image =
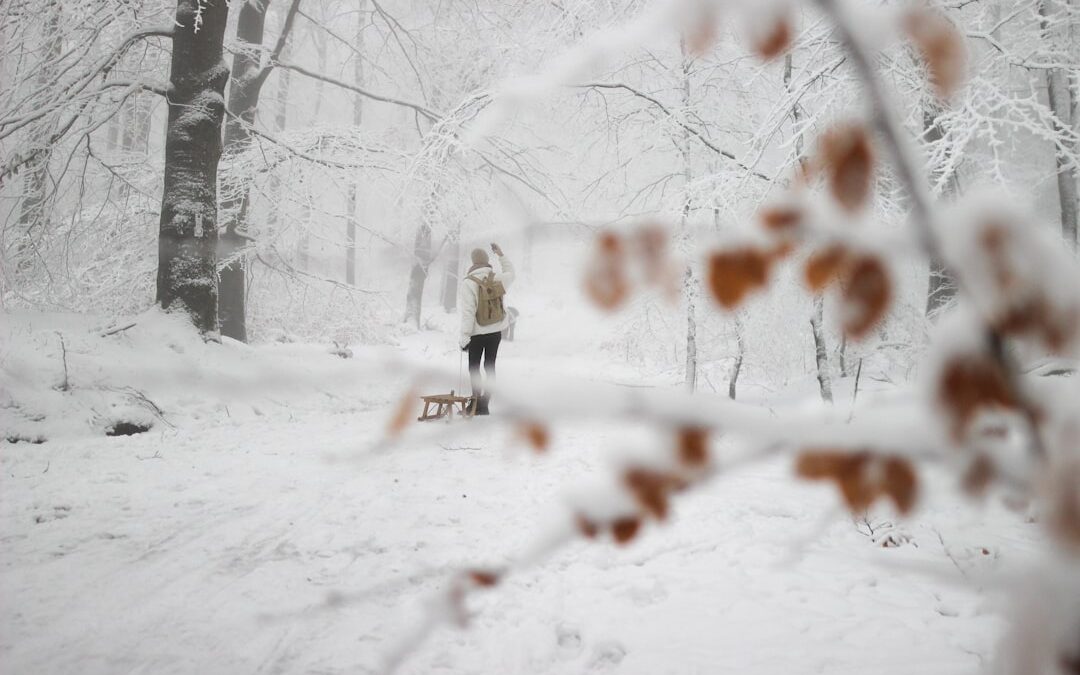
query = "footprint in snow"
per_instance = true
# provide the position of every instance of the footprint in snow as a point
(58, 513)
(607, 655)
(568, 638)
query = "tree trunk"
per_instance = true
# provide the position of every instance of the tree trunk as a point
(842, 355)
(1060, 95)
(821, 355)
(1060, 99)
(244, 87)
(691, 333)
(33, 207)
(821, 351)
(414, 299)
(942, 287)
(187, 243)
(689, 285)
(736, 365)
(451, 272)
(281, 114)
(358, 118)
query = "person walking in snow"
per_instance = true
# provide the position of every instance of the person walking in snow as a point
(483, 319)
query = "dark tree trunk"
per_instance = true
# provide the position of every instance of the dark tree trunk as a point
(942, 287)
(1060, 98)
(187, 243)
(821, 355)
(817, 317)
(1061, 104)
(244, 88)
(248, 76)
(689, 284)
(414, 299)
(736, 365)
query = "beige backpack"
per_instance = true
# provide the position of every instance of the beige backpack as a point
(489, 300)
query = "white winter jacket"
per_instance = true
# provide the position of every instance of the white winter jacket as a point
(469, 294)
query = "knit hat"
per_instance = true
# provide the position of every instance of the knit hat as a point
(479, 257)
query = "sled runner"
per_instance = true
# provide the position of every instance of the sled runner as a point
(445, 405)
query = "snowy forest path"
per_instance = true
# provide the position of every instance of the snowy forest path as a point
(278, 545)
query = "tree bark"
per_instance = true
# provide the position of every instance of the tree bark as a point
(187, 242)
(244, 88)
(248, 76)
(942, 287)
(414, 298)
(1060, 99)
(820, 353)
(689, 285)
(736, 365)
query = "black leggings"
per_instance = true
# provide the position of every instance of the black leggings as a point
(488, 347)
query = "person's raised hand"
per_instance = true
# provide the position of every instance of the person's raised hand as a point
(496, 250)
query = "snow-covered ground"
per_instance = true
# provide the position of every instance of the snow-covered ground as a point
(273, 535)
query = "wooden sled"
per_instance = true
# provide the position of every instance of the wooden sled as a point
(446, 406)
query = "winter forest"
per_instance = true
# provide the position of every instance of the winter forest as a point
(783, 295)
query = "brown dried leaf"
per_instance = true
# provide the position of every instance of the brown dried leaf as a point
(774, 41)
(782, 250)
(970, 384)
(780, 219)
(736, 273)
(941, 46)
(843, 468)
(862, 477)
(1037, 318)
(1061, 493)
(1027, 311)
(693, 447)
(625, 529)
(701, 36)
(484, 578)
(819, 463)
(605, 279)
(847, 157)
(652, 245)
(650, 490)
(978, 476)
(900, 483)
(588, 528)
(867, 294)
(536, 435)
(610, 243)
(824, 266)
(404, 414)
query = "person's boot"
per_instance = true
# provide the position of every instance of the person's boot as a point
(482, 406)
(473, 406)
